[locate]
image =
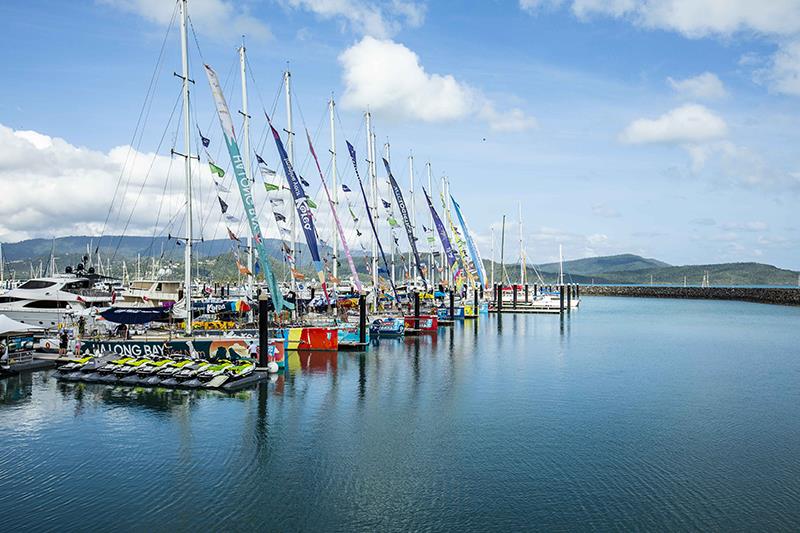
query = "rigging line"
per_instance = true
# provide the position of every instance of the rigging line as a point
(147, 174)
(148, 93)
(163, 193)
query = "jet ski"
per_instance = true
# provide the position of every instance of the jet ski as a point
(241, 370)
(215, 370)
(173, 367)
(74, 364)
(186, 376)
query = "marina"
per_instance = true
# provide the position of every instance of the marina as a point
(630, 413)
(399, 265)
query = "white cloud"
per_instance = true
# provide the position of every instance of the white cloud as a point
(706, 86)
(694, 18)
(753, 226)
(783, 73)
(378, 19)
(386, 76)
(54, 188)
(778, 20)
(605, 211)
(690, 123)
(214, 18)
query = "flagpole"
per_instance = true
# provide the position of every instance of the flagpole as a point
(335, 185)
(374, 194)
(247, 171)
(287, 76)
(187, 279)
(430, 245)
(413, 211)
(387, 150)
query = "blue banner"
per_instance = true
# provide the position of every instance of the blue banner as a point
(369, 215)
(448, 248)
(401, 204)
(301, 203)
(473, 250)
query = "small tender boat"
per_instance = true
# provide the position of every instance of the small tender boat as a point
(387, 327)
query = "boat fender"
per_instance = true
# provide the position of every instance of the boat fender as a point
(272, 367)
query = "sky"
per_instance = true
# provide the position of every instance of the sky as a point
(662, 128)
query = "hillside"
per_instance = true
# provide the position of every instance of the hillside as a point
(633, 269)
(214, 260)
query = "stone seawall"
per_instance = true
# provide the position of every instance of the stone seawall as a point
(780, 296)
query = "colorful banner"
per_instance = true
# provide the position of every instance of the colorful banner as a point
(369, 216)
(304, 215)
(401, 204)
(448, 248)
(244, 188)
(473, 250)
(336, 219)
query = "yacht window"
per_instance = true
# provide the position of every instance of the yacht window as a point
(36, 284)
(82, 284)
(8, 299)
(47, 304)
(158, 287)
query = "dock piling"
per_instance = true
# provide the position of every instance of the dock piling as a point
(263, 330)
(362, 319)
(452, 304)
(526, 293)
(514, 293)
(569, 298)
(416, 310)
(561, 300)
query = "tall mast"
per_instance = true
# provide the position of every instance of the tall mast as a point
(492, 282)
(287, 76)
(411, 199)
(521, 250)
(331, 106)
(374, 195)
(187, 169)
(2, 266)
(445, 264)
(503, 252)
(387, 149)
(432, 269)
(560, 266)
(247, 171)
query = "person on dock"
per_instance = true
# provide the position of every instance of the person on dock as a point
(63, 342)
(253, 349)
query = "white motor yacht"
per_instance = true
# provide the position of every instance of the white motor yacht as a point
(50, 301)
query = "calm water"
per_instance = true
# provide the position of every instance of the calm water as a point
(637, 413)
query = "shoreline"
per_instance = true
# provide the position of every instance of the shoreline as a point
(766, 295)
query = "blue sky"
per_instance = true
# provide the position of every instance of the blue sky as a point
(667, 131)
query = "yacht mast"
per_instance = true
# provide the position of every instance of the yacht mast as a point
(521, 250)
(560, 266)
(431, 267)
(411, 200)
(374, 194)
(331, 106)
(247, 170)
(187, 169)
(387, 149)
(492, 283)
(287, 77)
(2, 266)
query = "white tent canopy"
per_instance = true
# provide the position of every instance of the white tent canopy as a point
(8, 326)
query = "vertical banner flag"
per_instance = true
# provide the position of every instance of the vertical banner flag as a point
(448, 248)
(401, 204)
(369, 214)
(304, 215)
(473, 250)
(244, 188)
(336, 219)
